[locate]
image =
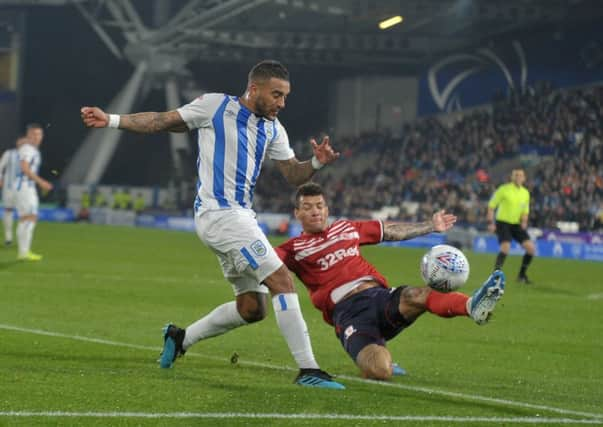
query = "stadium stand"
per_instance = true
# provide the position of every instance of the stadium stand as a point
(438, 163)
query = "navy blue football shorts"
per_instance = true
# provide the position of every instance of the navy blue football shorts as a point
(369, 317)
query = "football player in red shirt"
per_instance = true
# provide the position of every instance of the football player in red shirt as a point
(354, 297)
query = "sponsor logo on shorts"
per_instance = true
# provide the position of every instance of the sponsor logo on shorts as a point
(259, 248)
(349, 331)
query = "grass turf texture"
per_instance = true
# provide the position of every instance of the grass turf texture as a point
(543, 346)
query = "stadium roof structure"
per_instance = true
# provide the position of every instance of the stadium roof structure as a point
(342, 32)
(160, 37)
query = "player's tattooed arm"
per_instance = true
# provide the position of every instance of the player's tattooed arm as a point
(395, 231)
(296, 172)
(152, 122)
(440, 221)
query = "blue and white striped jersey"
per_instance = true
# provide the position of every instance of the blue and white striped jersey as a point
(233, 142)
(31, 155)
(9, 168)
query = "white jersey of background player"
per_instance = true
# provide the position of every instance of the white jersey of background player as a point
(234, 135)
(9, 170)
(26, 193)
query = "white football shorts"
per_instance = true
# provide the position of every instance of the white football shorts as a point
(8, 198)
(245, 255)
(26, 201)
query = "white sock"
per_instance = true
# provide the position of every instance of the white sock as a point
(293, 327)
(221, 320)
(8, 225)
(22, 238)
(29, 234)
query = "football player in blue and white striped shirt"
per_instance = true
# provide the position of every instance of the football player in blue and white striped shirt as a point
(9, 170)
(234, 136)
(26, 195)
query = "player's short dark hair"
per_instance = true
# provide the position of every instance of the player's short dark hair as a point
(308, 189)
(33, 126)
(267, 69)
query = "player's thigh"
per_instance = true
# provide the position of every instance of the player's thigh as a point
(242, 282)
(245, 254)
(520, 235)
(412, 301)
(8, 199)
(356, 324)
(503, 232)
(27, 202)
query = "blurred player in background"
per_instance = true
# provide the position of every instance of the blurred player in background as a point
(26, 193)
(235, 134)
(512, 204)
(9, 171)
(354, 297)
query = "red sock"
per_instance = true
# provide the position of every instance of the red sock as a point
(447, 304)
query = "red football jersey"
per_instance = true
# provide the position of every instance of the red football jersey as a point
(327, 260)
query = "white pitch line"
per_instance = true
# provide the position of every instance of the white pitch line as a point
(595, 296)
(230, 415)
(430, 391)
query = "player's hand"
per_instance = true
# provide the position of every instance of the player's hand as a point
(324, 152)
(443, 221)
(46, 186)
(94, 117)
(491, 227)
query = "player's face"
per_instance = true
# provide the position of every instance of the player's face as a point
(35, 136)
(519, 177)
(269, 97)
(312, 212)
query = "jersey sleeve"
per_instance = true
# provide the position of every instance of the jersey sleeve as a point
(279, 147)
(370, 232)
(496, 198)
(284, 253)
(200, 112)
(26, 153)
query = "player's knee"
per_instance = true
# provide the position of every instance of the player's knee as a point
(413, 302)
(375, 362)
(280, 281)
(413, 296)
(378, 372)
(252, 307)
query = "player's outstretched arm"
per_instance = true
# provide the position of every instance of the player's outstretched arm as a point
(149, 122)
(298, 173)
(395, 231)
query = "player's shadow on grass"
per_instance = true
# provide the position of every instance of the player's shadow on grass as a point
(5, 265)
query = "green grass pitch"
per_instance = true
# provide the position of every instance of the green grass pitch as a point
(80, 333)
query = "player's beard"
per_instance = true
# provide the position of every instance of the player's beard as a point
(263, 110)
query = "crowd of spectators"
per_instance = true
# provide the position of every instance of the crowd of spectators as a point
(441, 163)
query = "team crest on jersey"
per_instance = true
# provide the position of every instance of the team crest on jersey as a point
(259, 248)
(269, 133)
(349, 331)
